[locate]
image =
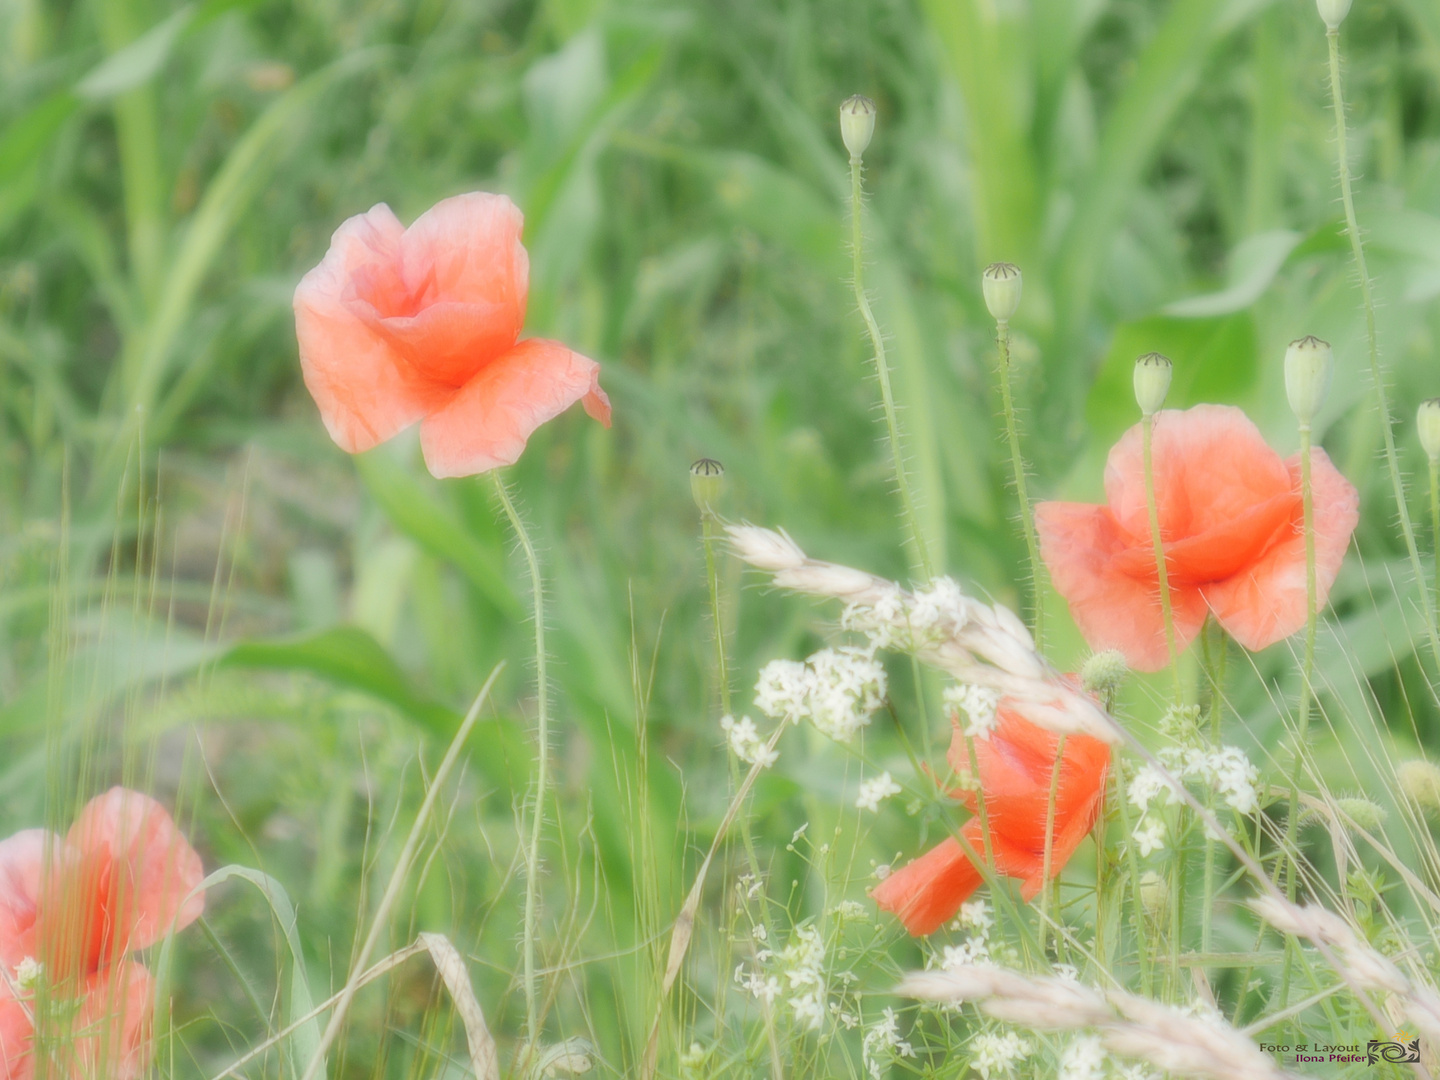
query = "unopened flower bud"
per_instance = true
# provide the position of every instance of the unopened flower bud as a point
(1308, 363)
(1152, 382)
(1365, 814)
(1001, 285)
(1333, 12)
(707, 479)
(1104, 672)
(1427, 421)
(1154, 894)
(857, 124)
(1420, 780)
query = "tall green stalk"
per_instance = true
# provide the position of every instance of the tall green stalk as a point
(882, 372)
(1047, 889)
(542, 771)
(1435, 530)
(1377, 375)
(1302, 726)
(1017, 465)
(1147, 426)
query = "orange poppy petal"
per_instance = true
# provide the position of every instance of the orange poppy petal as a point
(1266, 602)
(1210, 465)
(134, 877)
(1070, 832)
(114, 1023)
(456, 298)
(17, 1058)
(927, 892)
(487, 423)
(22, 863)
(1081, 545)
(366, 392)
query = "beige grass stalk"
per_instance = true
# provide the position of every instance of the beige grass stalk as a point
(397, 880)
(684, 929)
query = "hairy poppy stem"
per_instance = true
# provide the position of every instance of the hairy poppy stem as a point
(1435, 529)
(882, 372)
(1017, 465)
(1047, 887)
(1377, 375)
(1137, 901)
(1147, 428)
(1302, 727)
(542, 770)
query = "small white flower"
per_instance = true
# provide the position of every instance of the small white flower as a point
(1149, 835)
(28, 972)
(758, 932)
(976, 950)
(975, 915)
(992, 1054)
(1067, 973)
(746, 743)
(1083, 1059)
(850, 910)
(875, 791)
(881, 872)
(1147, 784)
(882, 1044)
(978, 705)
(837, 690)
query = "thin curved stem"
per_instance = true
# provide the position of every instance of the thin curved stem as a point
(1017, 465)
(1435, 530)
(712, 579)
(1047, 890)
(882, 371)
(1147, 428)
(1377, 375)
(542, 769)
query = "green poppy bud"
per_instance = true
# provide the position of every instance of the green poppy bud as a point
(1154, 895)
(707, 480)
(1308, 363)
(857, 124)
(1104, 672)
(1333, 12)
(1152, 382)
(1000, 282)
(1365, 814)
(1420, 780)
(1427, 422)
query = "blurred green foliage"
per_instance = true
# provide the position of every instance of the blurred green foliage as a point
(279, 626)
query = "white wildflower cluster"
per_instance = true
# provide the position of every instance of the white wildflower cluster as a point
(978, 705)
(975, 643)
(1225, 770)
(909, 622)
(837, 690)
(850, 911)
(875, 791)
(997, 1053)
(28, 973)
(882, 1044)
(1087, 1059)
(975, 917)
(803, 962)
(746, 743)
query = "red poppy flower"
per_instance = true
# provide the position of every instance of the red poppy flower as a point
(117, 882)
(1230, 519)
(398, 325)
(1016, 764)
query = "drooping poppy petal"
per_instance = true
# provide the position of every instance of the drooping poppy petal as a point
(366, 392)
(22, 866)
(1016, 765)
(1266, 602)
(489, 420)
(111, 1034)
(1229, 509)
(133, 878)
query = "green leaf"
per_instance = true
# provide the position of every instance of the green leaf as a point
(347, 656)
(1215, 360)
(305, 1040)
(138, 62)
(432, 525)
(1252, 267)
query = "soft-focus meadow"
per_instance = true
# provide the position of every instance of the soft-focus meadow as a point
(202, 597)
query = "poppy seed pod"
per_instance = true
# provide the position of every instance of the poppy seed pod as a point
(857, 124)
(707, 480)
(1000, 282)
(1427, 422)
(1333, 12)
(1308, 363)
(1152, 382)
